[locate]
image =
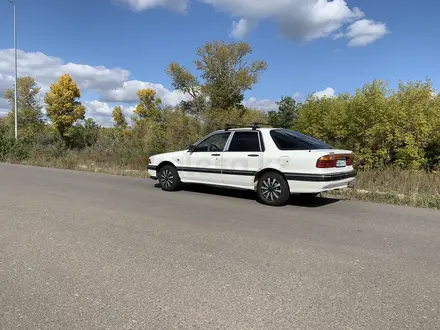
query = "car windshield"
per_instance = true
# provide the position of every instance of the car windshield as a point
(290, 140)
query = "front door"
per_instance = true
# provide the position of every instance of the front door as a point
(203, 164)
(242, 159)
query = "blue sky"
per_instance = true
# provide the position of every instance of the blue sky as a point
(113, 47)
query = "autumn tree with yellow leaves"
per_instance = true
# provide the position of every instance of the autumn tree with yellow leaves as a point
(119, 118)
(149, 105)
(62, 105)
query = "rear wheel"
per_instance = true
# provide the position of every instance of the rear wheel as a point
(272, 189)
(169, 178)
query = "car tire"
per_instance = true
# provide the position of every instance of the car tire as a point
(169, 178)
(273, 189)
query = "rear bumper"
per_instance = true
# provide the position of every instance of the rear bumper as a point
(315, 183)
(320, 177)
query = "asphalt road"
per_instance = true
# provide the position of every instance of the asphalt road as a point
(88, 251)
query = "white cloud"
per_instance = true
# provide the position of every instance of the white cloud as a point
(127, 93)
(328, 92)
(264, 104)
(101, 112)
(296, 95)
(364, 32)
(139, 5)
(6, 82)
(4, 107)
(98, 107)
(298, 20)
(338, 35)
(47, 69)
(241, 28)
(105, 109)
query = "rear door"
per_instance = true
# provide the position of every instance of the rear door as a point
(242, 158)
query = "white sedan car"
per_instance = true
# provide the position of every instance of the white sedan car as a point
(274, 162)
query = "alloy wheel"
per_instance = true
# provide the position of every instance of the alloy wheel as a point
(166, 178)
(271, 189)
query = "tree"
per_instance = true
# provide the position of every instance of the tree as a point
(62, 105)
(415, 124)
(286, 115)
(28, 102)
(148, 107)
(119, 118)
(3, 126)
(226, 75)
(83, 135)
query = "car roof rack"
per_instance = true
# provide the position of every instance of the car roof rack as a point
(230, 126)
(254, 126)
(258, 125)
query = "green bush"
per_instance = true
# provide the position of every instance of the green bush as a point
(384, 127)
(6, 144)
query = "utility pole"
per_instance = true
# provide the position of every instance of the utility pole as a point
(15, 55)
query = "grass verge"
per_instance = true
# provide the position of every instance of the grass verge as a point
(394, 186)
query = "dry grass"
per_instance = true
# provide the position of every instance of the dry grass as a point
(78, 161)
(394, 186)
(397, 181)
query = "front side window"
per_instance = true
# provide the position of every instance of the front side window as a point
(245, 141)
(290, 140)
(216, 142)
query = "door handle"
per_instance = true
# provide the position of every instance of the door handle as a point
(215, 155)
(253, 155)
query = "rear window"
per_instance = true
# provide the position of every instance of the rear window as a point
(290, 140)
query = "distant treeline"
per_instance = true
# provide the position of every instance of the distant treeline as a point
(384, 127)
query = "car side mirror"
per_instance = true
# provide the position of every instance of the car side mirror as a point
(191, 148)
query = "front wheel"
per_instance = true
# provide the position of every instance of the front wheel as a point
(169, 178)
(272, 189)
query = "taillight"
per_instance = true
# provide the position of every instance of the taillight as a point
(327, 161)
(331, 161)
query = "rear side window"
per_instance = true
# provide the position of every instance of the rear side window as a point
(290, 140)
(245, 141)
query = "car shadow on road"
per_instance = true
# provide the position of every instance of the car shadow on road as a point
(295, 200)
